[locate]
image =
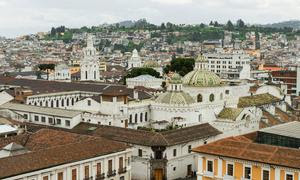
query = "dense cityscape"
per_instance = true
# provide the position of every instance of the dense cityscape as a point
(142, 101)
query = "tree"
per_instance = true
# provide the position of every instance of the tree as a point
(211, 23)
(46, 67)
(181, 66)
(134, 72)
(240, 23)
(163, 26)
(53, 31)
(216, 24)
(229, 26)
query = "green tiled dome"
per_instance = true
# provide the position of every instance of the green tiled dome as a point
(176, 79)
(175, 98)
(201, 78)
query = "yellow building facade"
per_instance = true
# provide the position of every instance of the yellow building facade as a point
(216, 167)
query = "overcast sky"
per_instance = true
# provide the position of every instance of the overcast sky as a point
(19, 17)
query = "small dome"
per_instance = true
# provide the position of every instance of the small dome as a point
(175, 98)
(151, 64)
(202, 78)
(176, 79)
(201, 58)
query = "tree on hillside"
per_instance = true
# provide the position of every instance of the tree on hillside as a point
(181, 66)
(53, 31)
(240, 23)
(229, 26)
(46, 67)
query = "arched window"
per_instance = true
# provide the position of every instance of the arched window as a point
(46, 103)
(62, 103)
(141, 117)
(72, 101)
(211, 98)
(41, 103)
(199, 98)
(57, 103)
(130, 118)
(67, 102)
(221, 96)
(146, 116)
(52, 104)
(136, 118)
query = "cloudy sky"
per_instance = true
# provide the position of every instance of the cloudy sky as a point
(19, 17)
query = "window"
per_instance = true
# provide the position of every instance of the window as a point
(141, 117)
(50, 120)
(230, 169)
(146, 116)
(120, 163)
(266, 175)
(89, 102)
(86, 171)
(60, 176)
(110, 166)
(36, 118)
(98, 168)
(67, 123)
(43, 119)
(189, 148)
(58, 121)
(45, 178)
(174, 152)
(289, 177)
(74, 174)
(200, 117)
(199, 98)
(174, 168)
(136, 118)
(227, 92)
(122, 178)
(62, 103)
(247, 172)
(130, 118)
(211, 97)
(128, 161)
(210, 165)
(140, 152)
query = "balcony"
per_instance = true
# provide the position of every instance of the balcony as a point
(100, 176)
(88, 178)
(111, 173)
(122, 170)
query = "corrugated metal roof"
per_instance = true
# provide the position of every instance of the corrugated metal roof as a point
(6, 129)
(41, 110)
(291, 129)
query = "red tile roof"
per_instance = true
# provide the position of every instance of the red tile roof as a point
(50, 148)
(244, 147)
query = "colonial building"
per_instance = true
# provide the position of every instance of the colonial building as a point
(62, 72)
(269, 154)
(58, 155)
(89, 65)
(146, 81)
(135, 60)
(158, 155)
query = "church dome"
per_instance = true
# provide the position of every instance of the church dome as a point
(200, 58)
(151, 64)
(176, 79)
(201, 78)
(175, 98)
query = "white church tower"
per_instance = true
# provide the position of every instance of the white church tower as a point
(89, 65)
(135, 60)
